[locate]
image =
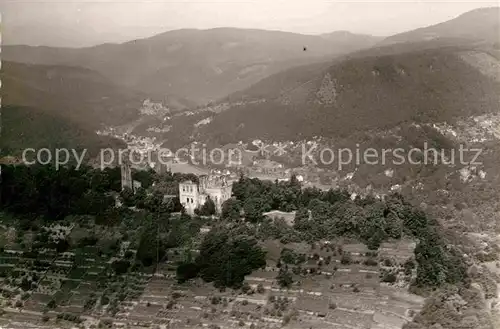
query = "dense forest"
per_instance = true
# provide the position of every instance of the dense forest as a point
(330, 214)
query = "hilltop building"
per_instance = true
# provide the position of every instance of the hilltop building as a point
(288, 217)
(193, 196)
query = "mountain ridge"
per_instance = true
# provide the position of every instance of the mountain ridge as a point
(325, 99)
(28, 127)
(170, 64)
(477, 24)
(79, 94)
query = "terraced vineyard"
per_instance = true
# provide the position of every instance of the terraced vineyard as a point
(52, 289)
(76, 286)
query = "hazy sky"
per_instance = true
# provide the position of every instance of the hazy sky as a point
(76, 23)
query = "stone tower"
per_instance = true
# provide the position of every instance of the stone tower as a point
(126, 173)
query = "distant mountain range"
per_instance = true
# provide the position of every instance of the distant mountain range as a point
(190, 66)
(404, 78)
(271, 84)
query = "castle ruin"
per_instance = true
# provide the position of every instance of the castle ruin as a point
(192, 196)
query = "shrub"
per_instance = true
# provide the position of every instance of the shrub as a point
(284, 278)
(389, 277)
(104, 300)
(128, 254)
(120, 266)
(387, 262)
(370, 262)
(246, 288)
(346, 259)
(215, 300)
